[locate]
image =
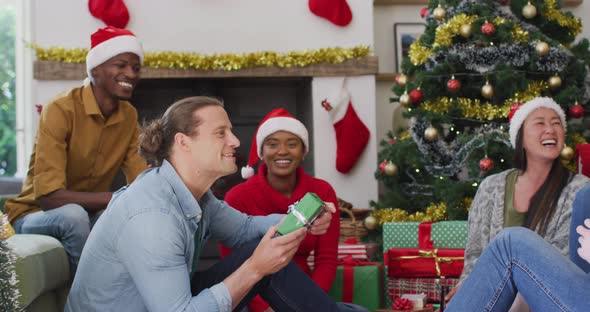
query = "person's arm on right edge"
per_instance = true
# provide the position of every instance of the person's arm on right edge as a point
(584, 239)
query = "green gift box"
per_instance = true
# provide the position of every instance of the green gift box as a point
(302, 213)
(359, 284)
(444, 234)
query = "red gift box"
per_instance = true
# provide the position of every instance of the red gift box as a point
(583, 159)
(415, 262)
(397, 287)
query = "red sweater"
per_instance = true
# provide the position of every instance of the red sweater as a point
(257, 198)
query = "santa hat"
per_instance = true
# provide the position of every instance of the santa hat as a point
(277, 120)
(519, 113)
(108, 42)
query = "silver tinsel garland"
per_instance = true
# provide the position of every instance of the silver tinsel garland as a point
(483, 60)
(9, 292)
(443, 159)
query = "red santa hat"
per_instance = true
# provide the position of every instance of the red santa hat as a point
(108, 42)
(519, 113)
(277, 120)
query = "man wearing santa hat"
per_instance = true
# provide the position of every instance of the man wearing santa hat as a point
(85, 135)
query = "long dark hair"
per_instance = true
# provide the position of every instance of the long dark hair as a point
(157, 136)
(544, 202)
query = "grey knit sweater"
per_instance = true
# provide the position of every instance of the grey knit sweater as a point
(486, 217)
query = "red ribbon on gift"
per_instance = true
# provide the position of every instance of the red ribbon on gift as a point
(348, 263)
(424, 235)
(424, 239)
(414, 262)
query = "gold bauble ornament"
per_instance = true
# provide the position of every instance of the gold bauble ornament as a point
(529, 11)
(402, 80)
(487, 91)
(390, 169)
(430, 134)
(554, 82)
(405, 100)
(567, 153)
(370, 222)
(542, 48)
(439, 13)
(465, 30)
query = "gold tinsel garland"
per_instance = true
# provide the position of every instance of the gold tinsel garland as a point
(445, 32)
(227, 62)
(518, 34)
(434, 212)
(553, 14)
(474, 108)
(418, 53)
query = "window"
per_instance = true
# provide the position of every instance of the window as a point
(8, 146)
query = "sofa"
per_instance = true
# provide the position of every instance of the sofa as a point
(42, 266)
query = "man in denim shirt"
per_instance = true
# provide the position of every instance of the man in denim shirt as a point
(141, 254)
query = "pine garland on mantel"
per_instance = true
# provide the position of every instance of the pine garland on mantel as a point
(226, 62)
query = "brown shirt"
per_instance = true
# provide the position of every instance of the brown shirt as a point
(76, 149)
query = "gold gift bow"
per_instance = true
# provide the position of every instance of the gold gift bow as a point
(431, 254)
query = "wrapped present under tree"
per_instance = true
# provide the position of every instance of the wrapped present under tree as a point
(358, 282)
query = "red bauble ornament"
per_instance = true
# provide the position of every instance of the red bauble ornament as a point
(416, 96)
(488, 29)
(424, 12)
(453, 85)
(402, 304)
(486, 164)
(392, 141)
(382, 166)
(577, 111)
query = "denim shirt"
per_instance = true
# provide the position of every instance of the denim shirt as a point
(138, 256)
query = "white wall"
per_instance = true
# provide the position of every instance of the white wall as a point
(233, 26)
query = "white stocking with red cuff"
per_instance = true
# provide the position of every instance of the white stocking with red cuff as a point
(352, 135)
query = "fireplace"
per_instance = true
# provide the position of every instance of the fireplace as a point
(247, 101)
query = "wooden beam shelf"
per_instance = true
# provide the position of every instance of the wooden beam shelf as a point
(566, 3)
(385, 77)
(51, 70)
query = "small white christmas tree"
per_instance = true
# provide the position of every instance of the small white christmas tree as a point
(8, 283)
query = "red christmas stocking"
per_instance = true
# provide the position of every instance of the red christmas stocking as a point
(112, 12)
(352, 135)
(583, 163)
(336, 11)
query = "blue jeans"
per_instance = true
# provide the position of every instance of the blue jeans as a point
(289, 289)
(70, 224)
(518, 260)
(581, 212)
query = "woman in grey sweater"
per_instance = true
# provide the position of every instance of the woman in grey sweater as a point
(537, 194)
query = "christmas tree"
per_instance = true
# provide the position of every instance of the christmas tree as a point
(474, 61)
(9, 293)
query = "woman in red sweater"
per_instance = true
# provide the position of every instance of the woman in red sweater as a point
(282, 142)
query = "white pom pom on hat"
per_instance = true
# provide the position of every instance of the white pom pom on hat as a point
(278, 119)
(523, 111)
